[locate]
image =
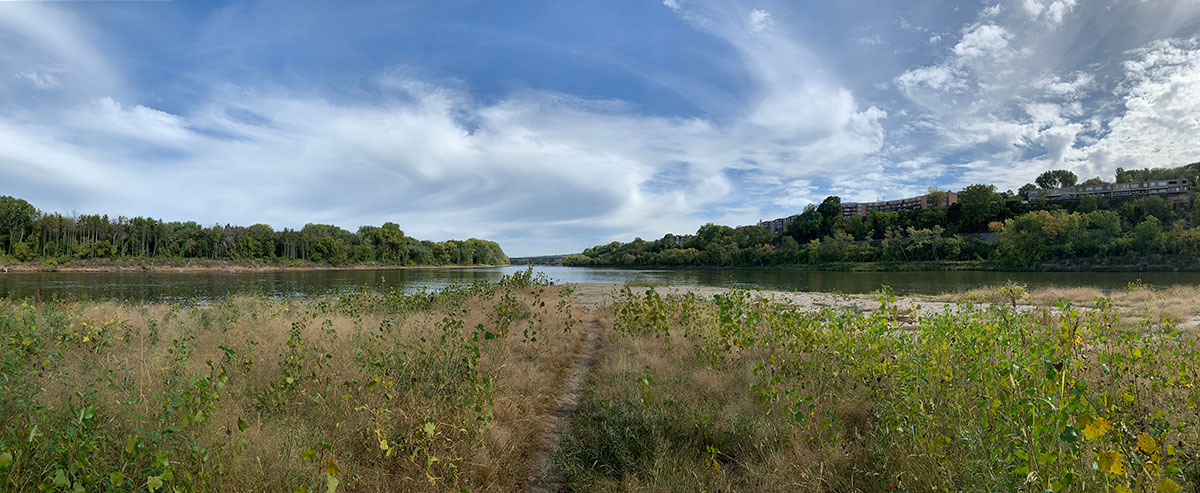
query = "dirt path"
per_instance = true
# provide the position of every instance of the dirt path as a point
(544, 477)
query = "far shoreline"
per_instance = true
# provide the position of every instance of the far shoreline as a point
(928, 266)
(208, 266)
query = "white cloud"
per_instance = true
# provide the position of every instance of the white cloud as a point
(1033, 7)
(796, 194)
(1055, 10)
(986, 40)
(536, 170)
(38, 35)
(40, 80)
(759, 20)
(540, 171)
(1161, 96)
(872, 40)
(937, 77)
(1045, 113)
(1057, 86)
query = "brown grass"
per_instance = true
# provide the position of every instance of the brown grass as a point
(669, 387)
(1136, 303)
(331, 407)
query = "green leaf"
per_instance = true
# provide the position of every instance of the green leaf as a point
(429, 428)
(78, 488)
(60, 478)
(242, 425)
(5, 460)
(309, 454)
(331, 484)
(154, 483)
(131, 444)
(117, 478)
(331, 469)
(160, 460)
(1069, 435)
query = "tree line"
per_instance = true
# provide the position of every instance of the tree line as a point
(986, 225)
(27, 234)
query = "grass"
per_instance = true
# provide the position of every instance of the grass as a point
(366, 392)
(451, 390)
(738, 394)
(1177, 303)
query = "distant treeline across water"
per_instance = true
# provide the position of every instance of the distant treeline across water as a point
(985, 228)
(28, 235)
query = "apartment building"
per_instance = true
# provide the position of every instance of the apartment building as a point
(917, 203)
(778, 226)
(1178, 185)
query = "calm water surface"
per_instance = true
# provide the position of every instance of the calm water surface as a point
(203, 286)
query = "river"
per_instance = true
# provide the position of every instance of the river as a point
(203, 286)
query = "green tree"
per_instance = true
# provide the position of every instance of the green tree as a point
(1058, 178)
(1088, 203)
(980, 205)
(1148, 236)
(16, 217)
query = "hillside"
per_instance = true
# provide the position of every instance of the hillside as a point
(989, 228)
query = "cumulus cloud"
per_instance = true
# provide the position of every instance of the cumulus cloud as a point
(1054, 10)
(1009, 100)
(1058, 86)
(937, 77)
(987, 40)
(1161, 97)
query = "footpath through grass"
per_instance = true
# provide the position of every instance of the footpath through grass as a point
(738, 393)
(452, 391)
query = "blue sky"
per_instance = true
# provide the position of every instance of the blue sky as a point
(553, 126)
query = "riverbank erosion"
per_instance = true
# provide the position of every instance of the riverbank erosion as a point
(208, 265)
(522, 384)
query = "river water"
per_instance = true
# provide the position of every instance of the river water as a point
(203, 286)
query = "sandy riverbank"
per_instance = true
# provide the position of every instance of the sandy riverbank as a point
(1179, 304)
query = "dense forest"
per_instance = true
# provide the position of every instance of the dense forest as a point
(27, 235)
(986, 226)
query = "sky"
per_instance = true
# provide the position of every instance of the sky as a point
(551, 126)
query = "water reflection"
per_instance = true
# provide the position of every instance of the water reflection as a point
(162, 286)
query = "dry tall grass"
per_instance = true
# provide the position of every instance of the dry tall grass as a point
(739, 394)
(660, 414)
(364, 392)
(1137, 301)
